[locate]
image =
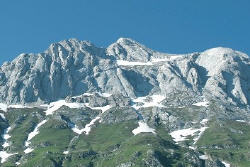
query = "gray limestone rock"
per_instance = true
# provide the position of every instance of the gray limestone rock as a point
(72, 67)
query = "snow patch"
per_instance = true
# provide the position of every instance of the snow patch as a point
(4, 156)
(132, 63)
(87, 127)
(3, 107)
(225, 164)
(148, 101)
(181, 135)
(18, 106)
(2, 115)
(204, 121)
(28, 150)
(143, 127)
(32, 135)
(192, 148)
(202, 104)
(52, 107)
(103, 109)
(148, 63)
(243, 121)
(105, 94)
(203, 157)
(6, 136)
(171, 58)
(66, 152)
(201, 131)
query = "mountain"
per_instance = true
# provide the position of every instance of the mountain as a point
(73, 67)
(77, 104)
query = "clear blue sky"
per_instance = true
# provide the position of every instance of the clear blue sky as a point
(174, 26)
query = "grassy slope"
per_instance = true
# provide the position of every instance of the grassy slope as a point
(228, 140)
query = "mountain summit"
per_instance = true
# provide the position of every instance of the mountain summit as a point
(73, 67)
(126, 105)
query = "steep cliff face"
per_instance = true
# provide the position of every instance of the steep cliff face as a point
(73, 67)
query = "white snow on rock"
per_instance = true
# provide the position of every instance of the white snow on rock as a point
(202, 104)
(66, 152)
(58, 104)
(6, 144)
(171, 58)
(19, 106)
(192, 148)
(105, 94)
(148, 63)
(226, 164)
(201, 131)
(241, 121)
(3, 107)
(4, 156)
(204, 121)
(132, 63)
(77, 130)
(2, 115)
(103, 109)
(34, 133)
(28, 150)
(181, 135)
(203, 157)
(88, 126)
(148, 101)
(143, 127)
(6, 136)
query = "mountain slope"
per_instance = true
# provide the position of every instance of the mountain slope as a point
(125, 105)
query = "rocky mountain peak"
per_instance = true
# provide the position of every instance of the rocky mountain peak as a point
(73, 67)
(128, 49)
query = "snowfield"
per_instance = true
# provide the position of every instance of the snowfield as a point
(202, 104)
(133, 63)
(242, 121)
(87, 127)
(204, 121)
(148, 101)
(34, 133)
(203, 157)
(2, 116)
(28, 150)
(3, 107)
(103, 109)
(154, 61)
(66, 152)
(52, 107)
(6, 136)
(142, 128)
(181, 135)
(226, 164)
(4, 155)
